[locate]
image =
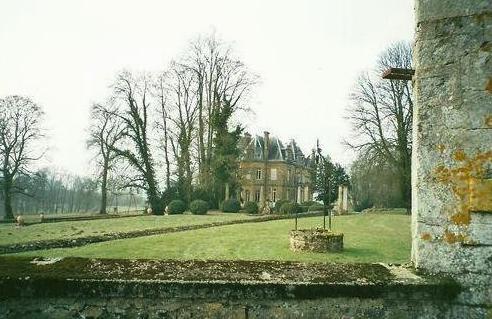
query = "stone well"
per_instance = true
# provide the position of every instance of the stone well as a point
(316, 240)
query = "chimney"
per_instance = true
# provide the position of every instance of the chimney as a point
(248, 150)
(266, 145)
(247, 137)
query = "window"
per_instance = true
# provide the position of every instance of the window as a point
(258, 173)
(257, 196)
(274, 195)
(273, 173)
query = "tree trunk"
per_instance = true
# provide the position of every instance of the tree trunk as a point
(104, 190)
(7, 188)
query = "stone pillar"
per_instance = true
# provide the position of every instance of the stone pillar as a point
(262, 195)
(452, 148)
(227, 191)
(306, 194)
(298, 194)
(345, 198)
(340, 199)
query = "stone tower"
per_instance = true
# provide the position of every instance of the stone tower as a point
(452, 154)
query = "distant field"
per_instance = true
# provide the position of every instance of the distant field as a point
(368, 238)
(10, 234)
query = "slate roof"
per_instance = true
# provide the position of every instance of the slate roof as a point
(252, 149)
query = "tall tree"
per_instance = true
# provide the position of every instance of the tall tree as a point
(327, 176)
(381, 115)
(105, 132)
(225, 160)
(161, 92)
(132, 100)
(183, 116)
(220, 77)
(20, 130)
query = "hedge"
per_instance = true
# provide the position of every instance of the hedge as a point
(316, 208)
(231, 206)
(290, 208)
(278, 205)
(250, 207)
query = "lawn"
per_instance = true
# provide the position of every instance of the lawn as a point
(9, 234)
(368, 238)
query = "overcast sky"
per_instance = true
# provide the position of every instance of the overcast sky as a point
(64, 54)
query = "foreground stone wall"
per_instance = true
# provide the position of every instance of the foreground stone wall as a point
(92, 288)
(452, 155)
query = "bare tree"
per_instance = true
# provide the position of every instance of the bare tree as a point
(381, 115)
(219, 78)
(20, 130)
(132, 98)
(105, 132)
(162, 95)
(183, 115)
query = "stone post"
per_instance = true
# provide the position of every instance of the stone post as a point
(298, 194)
(226, 191)
(452, 148)
(340, 199)
(345, 198)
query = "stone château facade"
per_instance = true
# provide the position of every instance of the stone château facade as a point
(270, 171)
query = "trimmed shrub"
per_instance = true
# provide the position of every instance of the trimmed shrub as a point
(290, 208)
(316, 208)
(176, 206)
(199, 207)
(304, 208)
(278, 205)
(309, 203)
(250, 207)
(231, 206)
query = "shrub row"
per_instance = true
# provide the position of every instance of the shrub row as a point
(200, 207)
(293, 208)
(197, 207)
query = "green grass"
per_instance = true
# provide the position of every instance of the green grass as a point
(9, 234)
(368, 238)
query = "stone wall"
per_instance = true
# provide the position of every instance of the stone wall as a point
(452, 151)
(91, 288)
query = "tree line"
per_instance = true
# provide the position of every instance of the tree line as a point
(381, 113)
(182, 118)
(172, 134)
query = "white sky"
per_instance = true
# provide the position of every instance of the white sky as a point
(64, 54)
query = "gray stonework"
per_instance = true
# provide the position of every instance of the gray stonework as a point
(452, 151)
(316, 240)
(91, 288)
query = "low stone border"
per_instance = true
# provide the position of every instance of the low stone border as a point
(92, 217)
(72, 218)
(118, 288)
(82, 241)
(210, 272)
